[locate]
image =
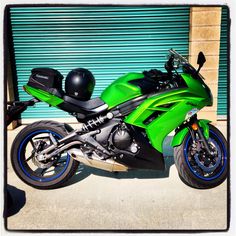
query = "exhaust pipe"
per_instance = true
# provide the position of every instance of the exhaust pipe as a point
(95, 161)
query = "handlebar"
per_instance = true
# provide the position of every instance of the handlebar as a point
(169, 65)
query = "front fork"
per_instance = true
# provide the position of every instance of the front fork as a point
(194, 127)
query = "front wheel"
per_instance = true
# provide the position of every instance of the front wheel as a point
(198, 169)
(48, 174)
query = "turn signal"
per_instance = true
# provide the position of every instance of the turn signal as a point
(194, 126)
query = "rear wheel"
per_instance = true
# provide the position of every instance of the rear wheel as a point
(198, 169)
(41, 174)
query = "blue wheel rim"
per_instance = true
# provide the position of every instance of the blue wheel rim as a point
(24, 144)
(224, 158)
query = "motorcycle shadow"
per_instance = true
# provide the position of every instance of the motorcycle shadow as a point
(15, 201)
(84, 171)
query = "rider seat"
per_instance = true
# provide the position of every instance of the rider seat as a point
(84, 109)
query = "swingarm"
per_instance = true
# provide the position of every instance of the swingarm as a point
(72, 139)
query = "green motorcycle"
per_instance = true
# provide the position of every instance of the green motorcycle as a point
(124, 129)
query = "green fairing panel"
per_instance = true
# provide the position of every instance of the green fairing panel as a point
(121, 90)
(172, 107)
(43, 96)
(204, 125)
(197, 90)
(179, 137)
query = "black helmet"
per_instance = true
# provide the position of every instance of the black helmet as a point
(80, 84)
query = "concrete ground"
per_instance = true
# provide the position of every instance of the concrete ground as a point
(95, 199)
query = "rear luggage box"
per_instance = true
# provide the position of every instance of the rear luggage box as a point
(47, 79)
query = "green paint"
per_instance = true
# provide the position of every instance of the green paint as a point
(204, 125)
(43, 95)
(197, 90)
(181, 101)
(121, 90)
(179, 137)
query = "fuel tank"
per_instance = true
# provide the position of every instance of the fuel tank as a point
(121, 90)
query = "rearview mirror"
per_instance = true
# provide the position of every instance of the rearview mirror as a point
(201, 59)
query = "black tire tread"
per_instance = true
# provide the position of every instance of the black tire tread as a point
(183, 169)
(179, 162)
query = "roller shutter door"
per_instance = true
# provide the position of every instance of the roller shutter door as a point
(223, 65)
(108, 40)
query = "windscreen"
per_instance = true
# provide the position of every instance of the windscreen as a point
(180, 61)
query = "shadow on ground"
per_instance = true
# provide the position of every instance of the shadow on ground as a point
(15, 200)
(84, 171)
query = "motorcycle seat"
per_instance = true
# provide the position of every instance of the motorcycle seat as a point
(87, 108)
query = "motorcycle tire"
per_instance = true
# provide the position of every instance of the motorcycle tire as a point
(192, 169)
(29, 169)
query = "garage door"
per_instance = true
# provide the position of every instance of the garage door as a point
(223, 66)
(108, 40)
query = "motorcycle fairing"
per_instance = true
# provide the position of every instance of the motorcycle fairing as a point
(163, 112)
(44, 96)
(121, 90)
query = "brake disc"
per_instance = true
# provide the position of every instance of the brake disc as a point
(209, 169)
(40, 145)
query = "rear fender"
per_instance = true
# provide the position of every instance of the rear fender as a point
(180, 135)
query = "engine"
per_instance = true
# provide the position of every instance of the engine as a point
(115, 136)
(121, 138)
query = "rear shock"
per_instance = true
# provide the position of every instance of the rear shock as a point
(94, 123)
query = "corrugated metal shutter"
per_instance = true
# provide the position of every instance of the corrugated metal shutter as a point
(108, 40)
(223, 65)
